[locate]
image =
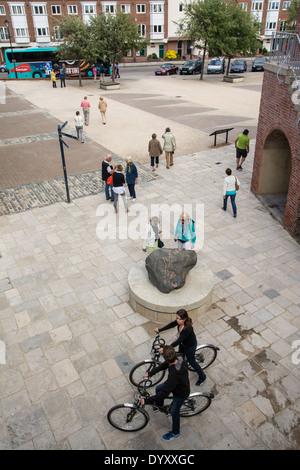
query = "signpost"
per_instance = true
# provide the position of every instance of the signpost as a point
(62, 143)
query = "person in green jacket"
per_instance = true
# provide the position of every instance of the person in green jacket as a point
(242, 148)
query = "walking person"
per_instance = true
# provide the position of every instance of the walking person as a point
(79, 126)
(85, 104)
(62, 75)
(53, 78)
(231, 185)
(102, 105)
(186, 340)
(131, 177)
(152, 239)
(56, 70)
(242, 148)
(177, 383)
(94, 70)
(185, 234)
(107, 171)
(155, 150)
(118, 187)
(117, 70)
(169, 146)
(102, 72)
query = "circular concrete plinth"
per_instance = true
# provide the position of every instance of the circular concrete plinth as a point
(195, 296)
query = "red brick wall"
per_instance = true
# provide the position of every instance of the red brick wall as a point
(277, 111)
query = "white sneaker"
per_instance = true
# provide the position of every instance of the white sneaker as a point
(133, 200)
(130, 197)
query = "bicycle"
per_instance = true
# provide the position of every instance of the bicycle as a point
(205, 355)
(131, 417)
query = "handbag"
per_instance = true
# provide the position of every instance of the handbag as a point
(160, 243)
(236, 185)
(110, 178)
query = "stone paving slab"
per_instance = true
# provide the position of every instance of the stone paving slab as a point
(71, 336)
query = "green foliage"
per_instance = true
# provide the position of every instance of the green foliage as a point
(292, 12)
(113, 36)
(224, 29)
(152, 56)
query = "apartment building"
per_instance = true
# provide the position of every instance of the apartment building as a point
(34, 23)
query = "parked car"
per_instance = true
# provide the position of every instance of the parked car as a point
(3, 68)
(238, 65)
(258, 64)
(216, 65)
(166, 69)
(191, 67)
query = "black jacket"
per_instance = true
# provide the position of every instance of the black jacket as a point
(118, 179)
(105, 173)
(177, 382)
(187, 336)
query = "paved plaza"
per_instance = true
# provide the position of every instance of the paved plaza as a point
(69, 336)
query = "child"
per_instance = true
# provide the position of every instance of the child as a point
(53, 78)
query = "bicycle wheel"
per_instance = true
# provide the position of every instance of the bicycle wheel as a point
(196, 403)
(139, 370)
(205, 355)
(127, 417)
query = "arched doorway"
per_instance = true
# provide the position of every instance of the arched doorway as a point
(275, 173)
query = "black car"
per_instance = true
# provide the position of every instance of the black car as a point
(238, 65)
(191, 67)
(258, 64)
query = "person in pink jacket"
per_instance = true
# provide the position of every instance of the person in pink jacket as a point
(85, 104)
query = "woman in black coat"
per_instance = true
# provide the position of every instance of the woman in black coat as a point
(186, 340)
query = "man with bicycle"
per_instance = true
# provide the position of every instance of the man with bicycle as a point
(177, 383)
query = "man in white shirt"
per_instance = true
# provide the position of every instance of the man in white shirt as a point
(79, 126)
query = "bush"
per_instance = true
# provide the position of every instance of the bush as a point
(171, 55)
(152, 56)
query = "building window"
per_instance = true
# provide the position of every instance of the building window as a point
(157, 28)
(273, 5)
(257, 6)
(2, 10)
(157, 8)
(72, 10)
(3, 34)
(180, 6)
(38, 10)
(286, 5)
(56, 9)
(244, 5)
(271, 25)
(125, 8)
(142, 30)
(21, 32)
(89, 9)
(141, 8)
(41, 32)
(282, 26)
(56, 32)
(18, 10)
(110, 8)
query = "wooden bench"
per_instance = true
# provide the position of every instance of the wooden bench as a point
(221, 131)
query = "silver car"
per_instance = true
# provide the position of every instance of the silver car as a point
(216, 65)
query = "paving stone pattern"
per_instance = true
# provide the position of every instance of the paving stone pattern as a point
(69, 337)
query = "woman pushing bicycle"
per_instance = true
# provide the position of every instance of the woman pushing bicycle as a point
(186, 340)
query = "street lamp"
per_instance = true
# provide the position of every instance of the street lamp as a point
(6, 22)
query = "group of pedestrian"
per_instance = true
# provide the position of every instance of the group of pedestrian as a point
(155, 149)
(115, 177)
(85, 120)
(58, 73)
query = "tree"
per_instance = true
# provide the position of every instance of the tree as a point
(114, 36)
(76, 41)
(292, 12)
(204, 21)
(224, 29)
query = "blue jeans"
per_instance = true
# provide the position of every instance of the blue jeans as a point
(175, 410)
(131, 190)
(190, 355)
(232, 199)
(107, 195)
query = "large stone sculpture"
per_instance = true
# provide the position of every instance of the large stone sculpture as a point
(167, 268)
